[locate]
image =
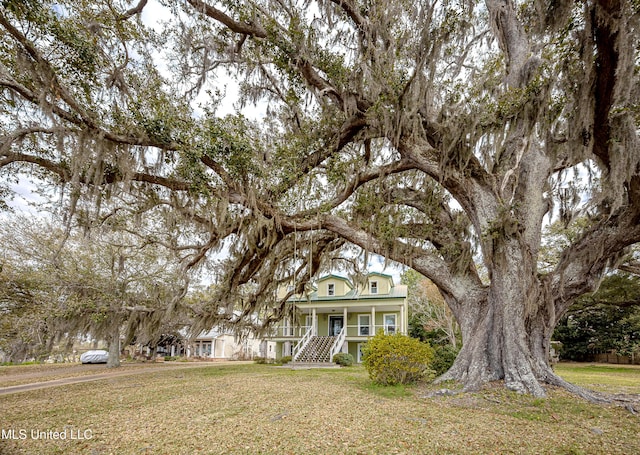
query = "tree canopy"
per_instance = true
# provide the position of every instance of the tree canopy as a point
(62, 285)
(441, 135)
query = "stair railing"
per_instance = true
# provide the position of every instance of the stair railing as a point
(337, 343)
(299, 347)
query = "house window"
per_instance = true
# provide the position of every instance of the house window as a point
(373, 287)
(363, 325)
(205, 349)
(390, 323)
(331, 289)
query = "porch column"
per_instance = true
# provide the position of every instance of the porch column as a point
(344, 324)
(373, 321)
(402, 326)
(314, 322)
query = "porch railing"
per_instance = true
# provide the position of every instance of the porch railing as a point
(300, 345)
(337, 344)
(289, 331)
(370, 330)
(297, 332)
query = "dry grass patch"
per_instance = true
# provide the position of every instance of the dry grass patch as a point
(38, 373)
(28, 374)
(252, 409)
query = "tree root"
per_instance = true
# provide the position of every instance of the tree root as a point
(474, 378)
(630, 403)
(589, 395)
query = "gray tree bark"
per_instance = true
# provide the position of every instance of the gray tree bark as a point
(114, 348)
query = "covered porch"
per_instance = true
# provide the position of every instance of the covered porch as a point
(349, 325)
(358, 320)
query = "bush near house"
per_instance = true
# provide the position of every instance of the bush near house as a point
(343, 359)
(444, 356)
(262, 360)
(397, 359)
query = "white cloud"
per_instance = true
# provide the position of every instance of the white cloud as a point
(25, 197)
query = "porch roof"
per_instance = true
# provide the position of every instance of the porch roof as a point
(338, 309)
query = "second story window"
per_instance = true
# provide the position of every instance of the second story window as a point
(373, 287)
(331, 289)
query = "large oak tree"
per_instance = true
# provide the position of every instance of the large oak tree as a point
(441, 135)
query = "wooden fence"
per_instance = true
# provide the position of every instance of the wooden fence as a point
(611, 357)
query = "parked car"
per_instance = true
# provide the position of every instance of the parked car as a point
(95, 356)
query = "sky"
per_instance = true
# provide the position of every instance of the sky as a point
(24, 197)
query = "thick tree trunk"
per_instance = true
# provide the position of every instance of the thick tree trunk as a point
(114, 349)
(501, 345)
(507, 336)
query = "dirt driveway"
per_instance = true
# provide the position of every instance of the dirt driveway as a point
(16, 379)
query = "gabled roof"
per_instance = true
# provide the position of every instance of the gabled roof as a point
(382, 275)
(335, 277)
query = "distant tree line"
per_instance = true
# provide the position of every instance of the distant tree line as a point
(606, 321)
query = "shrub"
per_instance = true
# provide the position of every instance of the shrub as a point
(396, 359)
(444, 357)
(343, 359)
(286, 359)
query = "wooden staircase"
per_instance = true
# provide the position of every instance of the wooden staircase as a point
(317, 350)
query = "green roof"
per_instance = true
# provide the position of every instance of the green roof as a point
(397, 292)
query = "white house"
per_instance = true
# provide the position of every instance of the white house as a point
(217, 344)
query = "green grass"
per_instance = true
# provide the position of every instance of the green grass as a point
(253, 409)
(391, 391)
(604, 378)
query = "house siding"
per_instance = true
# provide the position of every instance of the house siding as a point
(341, 287)
(384, 285)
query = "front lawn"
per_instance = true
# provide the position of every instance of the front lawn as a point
(252, 409)
(602, 377)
